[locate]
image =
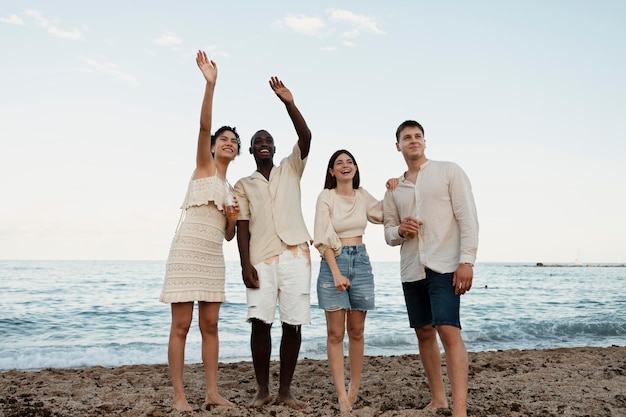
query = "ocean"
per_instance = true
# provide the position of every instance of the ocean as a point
(75, 314)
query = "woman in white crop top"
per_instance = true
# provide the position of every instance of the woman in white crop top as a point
(345, 285)
(195, 268)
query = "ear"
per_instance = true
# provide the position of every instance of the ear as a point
(398, 147)
(250, 150)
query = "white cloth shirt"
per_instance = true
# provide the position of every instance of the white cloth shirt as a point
(338, 216)
(273, 208)
(441, 198)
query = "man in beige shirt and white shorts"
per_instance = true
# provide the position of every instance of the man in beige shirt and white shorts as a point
(274, 249)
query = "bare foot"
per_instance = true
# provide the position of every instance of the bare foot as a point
(433, 406)
(259, 400)
(291, 401)
(218, 400)
(181, 404)
(352, 396)
(344, 405)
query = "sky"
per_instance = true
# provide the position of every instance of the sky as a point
(100, 102)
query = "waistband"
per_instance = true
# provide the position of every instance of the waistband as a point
(353, 249)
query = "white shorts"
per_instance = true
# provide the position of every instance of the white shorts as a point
(284, 279)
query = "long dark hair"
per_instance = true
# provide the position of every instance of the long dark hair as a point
(331, 181)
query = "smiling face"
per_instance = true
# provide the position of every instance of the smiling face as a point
(226, 145)
(262, 146)
(342, 167)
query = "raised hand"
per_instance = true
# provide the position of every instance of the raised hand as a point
(207, 66)
(281, 91)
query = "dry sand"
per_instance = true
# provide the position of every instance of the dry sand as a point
(558, 382)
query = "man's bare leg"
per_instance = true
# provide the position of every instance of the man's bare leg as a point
(457, 364)
(289, 350)
(431, 360)
(261, 344)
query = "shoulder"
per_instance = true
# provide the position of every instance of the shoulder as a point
(362, 192)
(445, 166)
(326, 194)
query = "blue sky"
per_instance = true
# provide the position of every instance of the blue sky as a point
(99, 106)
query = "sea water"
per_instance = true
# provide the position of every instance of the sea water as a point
(72, 314)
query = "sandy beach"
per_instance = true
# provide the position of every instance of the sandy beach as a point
(586, 381)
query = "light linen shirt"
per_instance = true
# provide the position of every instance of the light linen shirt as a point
(441, 198)
(273, 208)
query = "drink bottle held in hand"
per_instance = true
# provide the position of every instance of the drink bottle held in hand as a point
(229, 201)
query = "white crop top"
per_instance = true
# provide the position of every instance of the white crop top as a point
(338, 216)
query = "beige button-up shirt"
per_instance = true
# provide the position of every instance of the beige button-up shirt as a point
(442, 198)
(273, 208)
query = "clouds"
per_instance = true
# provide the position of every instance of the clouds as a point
(40, 20)
(13, 19)
(358, 23)
(303, 24)
(108, 69)
(168, 39)
(348, 25)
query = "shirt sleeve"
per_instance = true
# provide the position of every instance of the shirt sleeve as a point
(324, 236)
(465, 212)
(391, 221)
(295, 162)
(373, 208)
(244, 206)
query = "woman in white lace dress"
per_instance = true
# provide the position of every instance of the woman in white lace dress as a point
(195, 269)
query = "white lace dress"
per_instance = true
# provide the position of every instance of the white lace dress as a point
(195, 269)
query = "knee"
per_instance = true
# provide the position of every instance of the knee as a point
(208, 327)
(259, 327)
(426, 333)
(290, 330)
(450, 336)
(355, 333)
(180, 330)
(335, 336)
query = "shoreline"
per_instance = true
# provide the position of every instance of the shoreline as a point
(577, 381)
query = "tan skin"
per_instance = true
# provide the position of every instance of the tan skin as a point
(412, 144)
(337, 321)
(210, 161)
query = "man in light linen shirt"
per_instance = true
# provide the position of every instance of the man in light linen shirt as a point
(274, 249)
(433, 216)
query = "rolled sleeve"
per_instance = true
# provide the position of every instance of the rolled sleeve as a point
(324, 236)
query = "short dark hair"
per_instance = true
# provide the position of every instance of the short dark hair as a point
(331, 181)
(223, 129)
(407, 123)
(257, 133)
